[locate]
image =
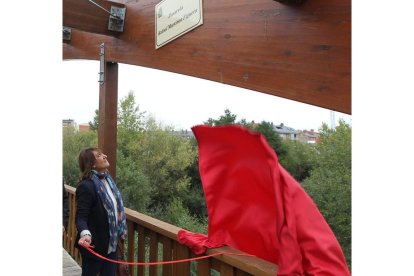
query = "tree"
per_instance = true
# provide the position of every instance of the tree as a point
(329, 183)
(226, 119)
(131, 179)
(194, 199)
(94, 125)
(165, 158)
(133, 184)
(129, 116)
(130, 124)
(176, 213)
(73, 142)
(298, 158)
(272, 137)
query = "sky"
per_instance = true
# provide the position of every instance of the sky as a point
(33, 101)
(183, 101)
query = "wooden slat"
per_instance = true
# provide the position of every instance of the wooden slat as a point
(203, 267)
(78, 257)
(153, 254)
(300, 53)
(181, 252)
(167, 255)
(68, 234)
(226, 270)
(71, 233)
(141, 250)
(131, 245)
(215, 264)
(72, 228)
(241, 273)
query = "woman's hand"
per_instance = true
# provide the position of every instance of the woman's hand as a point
(86, 240)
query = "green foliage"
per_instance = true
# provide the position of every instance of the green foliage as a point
(298, 158)
(133, 184)
(131, 179)
(194, 199)
(175, 213)
(73, 142)
(164, 158)
(329, 183)
(129, 117)
(160, 160)
(130, 125)
(227, 119)
(94, 125)
(272, 137)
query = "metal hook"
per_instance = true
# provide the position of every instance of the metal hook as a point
(113, 14)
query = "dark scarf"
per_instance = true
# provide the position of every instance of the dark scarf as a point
(116, 229)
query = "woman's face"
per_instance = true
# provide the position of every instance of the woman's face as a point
(101, 163)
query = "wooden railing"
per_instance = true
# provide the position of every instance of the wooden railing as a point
(152, 240)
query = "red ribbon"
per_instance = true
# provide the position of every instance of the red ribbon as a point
(165, 262)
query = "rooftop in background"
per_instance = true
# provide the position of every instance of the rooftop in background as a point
(69, 122)
(285, 132)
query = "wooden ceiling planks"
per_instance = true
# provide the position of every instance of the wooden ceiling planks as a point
(302, 53)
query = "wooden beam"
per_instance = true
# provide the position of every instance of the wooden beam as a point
(86, 16)
(108, 101)
(302, 53)
(291, 2)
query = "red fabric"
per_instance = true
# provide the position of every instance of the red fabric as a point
(255, 206)
(196, 242)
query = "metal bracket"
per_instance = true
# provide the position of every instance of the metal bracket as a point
(67, 33)
(102, 64)
(117, 19)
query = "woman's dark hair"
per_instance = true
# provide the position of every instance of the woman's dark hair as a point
(86, 161)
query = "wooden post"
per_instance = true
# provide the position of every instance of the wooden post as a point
(108, 103)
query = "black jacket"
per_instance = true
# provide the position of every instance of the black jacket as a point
(91, 215)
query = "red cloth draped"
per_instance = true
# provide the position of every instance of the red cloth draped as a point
(255, 206)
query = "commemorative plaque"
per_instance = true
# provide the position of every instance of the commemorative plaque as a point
(174, 18)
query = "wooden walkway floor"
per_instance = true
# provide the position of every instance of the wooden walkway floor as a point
(70, 267)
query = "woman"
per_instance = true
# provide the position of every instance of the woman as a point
(100, 216)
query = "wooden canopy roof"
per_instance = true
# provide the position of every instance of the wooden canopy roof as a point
(299, 52)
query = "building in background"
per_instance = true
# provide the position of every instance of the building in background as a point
(69, 122)
(304, 136)
(84, 127)
(72, 123)
(286, 132)
(308, 136)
